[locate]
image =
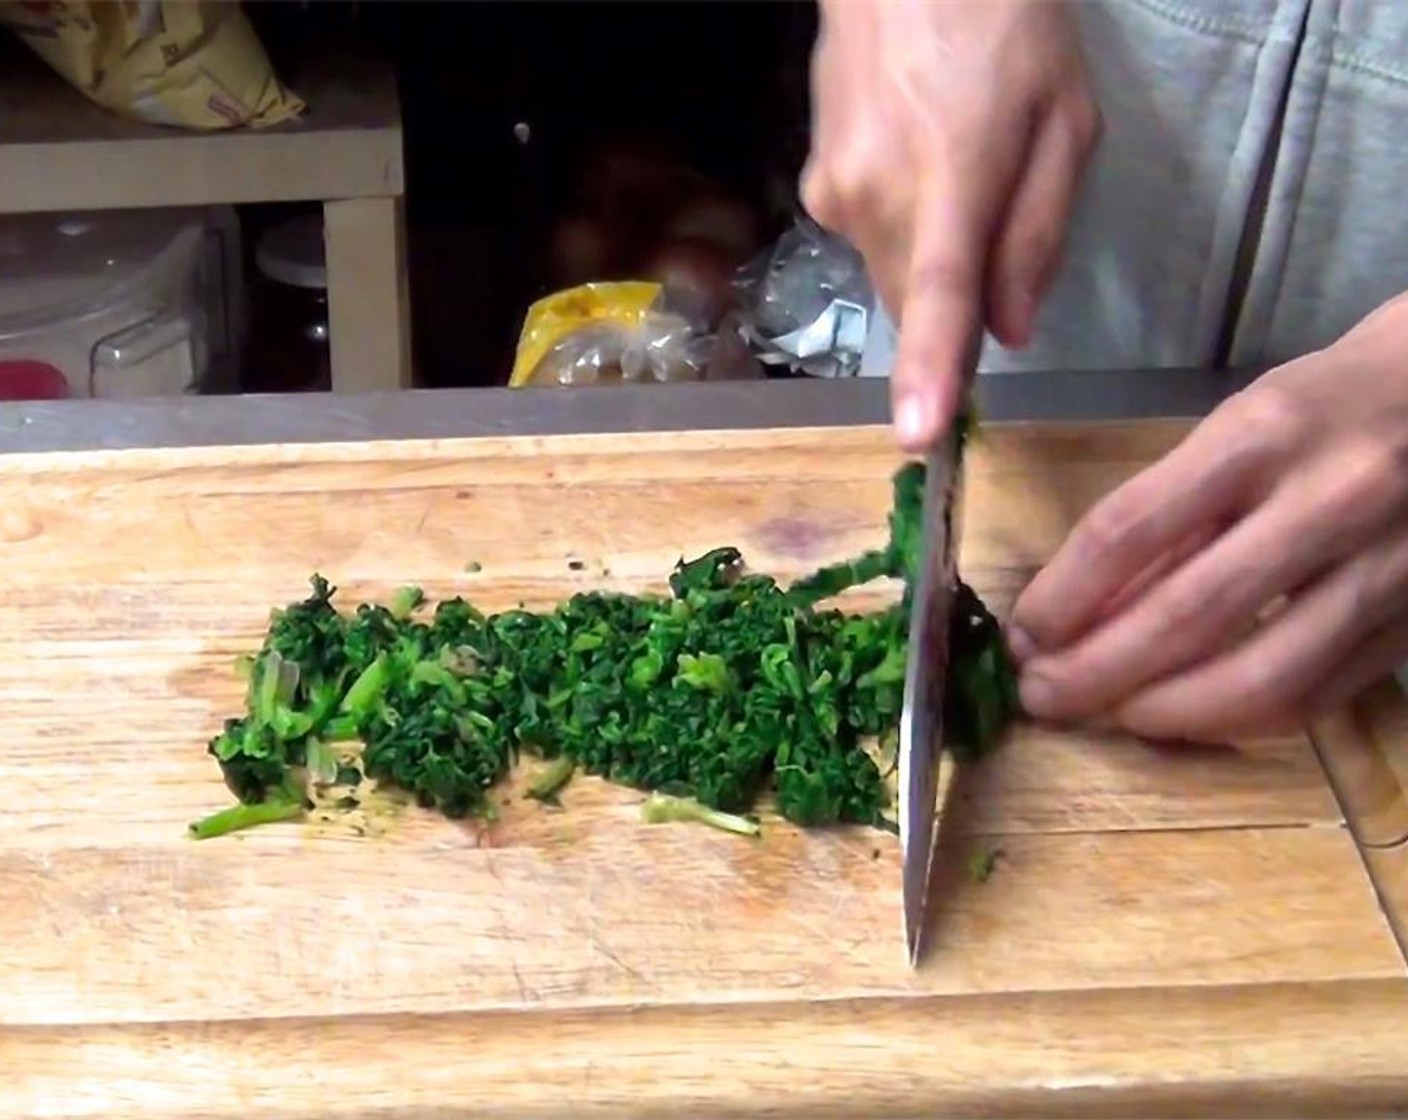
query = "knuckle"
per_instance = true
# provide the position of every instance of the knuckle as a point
(819, 196)
(1110, 525)
(1181, 611)
(1387, 315)
(1369, 472)
(838, 192)
(853, 182)
(1275, 417)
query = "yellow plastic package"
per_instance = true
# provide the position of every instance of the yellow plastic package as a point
(194, 64)
(622, 331)
(586, 315)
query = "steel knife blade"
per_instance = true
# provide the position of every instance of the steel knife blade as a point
(926, 670)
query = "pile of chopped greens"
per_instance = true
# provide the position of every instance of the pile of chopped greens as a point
(728, 687)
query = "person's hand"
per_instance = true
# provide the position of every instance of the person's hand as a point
(1287, 505)
(948, 140)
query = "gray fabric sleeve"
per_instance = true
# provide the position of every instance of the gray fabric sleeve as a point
(1200, 97)
(1335, 243)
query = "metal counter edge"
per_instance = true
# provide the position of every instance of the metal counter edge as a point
(221, 421)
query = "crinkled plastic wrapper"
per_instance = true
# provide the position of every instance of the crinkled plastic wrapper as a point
(194, 64)
(623, 332)
(806, 303)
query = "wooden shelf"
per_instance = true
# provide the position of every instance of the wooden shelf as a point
(59, 151)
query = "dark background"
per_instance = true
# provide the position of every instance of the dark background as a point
(719, 86)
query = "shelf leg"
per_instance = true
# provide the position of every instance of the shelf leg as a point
(368, 295)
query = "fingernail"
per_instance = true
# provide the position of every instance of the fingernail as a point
(1038, 694)
(911, 421)
(1020, 644)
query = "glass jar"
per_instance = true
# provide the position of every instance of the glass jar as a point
(288, 311)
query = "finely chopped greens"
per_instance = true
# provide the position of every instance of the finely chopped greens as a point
(729, 686)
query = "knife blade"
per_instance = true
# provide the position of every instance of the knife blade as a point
(926, 671)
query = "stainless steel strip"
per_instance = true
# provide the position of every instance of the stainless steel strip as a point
(465, 413)
(1071, 396)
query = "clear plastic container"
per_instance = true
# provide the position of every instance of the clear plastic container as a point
(112, 300)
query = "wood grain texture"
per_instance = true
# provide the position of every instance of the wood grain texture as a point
(1164, 929)
(1221, 1052)
(586, 917)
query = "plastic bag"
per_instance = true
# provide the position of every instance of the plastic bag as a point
(194, 64)
(806, 303)
(623, 331)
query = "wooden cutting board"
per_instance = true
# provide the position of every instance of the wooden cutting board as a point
(1165, 930)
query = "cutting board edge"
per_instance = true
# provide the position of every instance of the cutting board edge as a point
(474, 446)
(1057, 1053)
(1158, 433)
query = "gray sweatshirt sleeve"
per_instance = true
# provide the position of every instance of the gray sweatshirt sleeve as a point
(1244, 204)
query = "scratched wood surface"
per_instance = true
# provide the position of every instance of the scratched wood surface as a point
(1166, 930)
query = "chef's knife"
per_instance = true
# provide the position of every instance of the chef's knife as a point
(926, 667)
(926, 670)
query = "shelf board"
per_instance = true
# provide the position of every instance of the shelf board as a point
(59, 151)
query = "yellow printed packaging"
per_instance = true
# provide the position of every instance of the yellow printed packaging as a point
(591, 312)
(194, 64)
